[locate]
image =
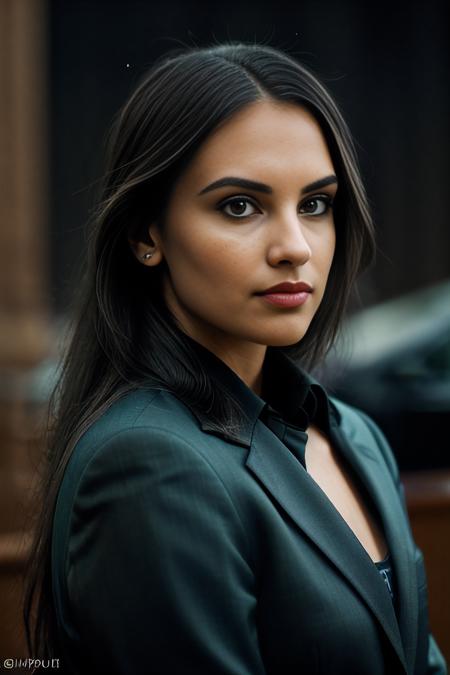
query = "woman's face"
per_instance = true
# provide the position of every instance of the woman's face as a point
(252, 210)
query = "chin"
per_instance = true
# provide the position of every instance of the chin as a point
(283, 343)
(284, 338)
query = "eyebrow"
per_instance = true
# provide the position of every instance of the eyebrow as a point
(262, 187)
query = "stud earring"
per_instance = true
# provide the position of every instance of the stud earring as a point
(147, 255)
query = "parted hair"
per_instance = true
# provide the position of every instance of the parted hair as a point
(122, 334)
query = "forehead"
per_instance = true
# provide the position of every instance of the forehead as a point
(263, 138)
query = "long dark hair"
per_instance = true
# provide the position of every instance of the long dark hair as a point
(123, 335)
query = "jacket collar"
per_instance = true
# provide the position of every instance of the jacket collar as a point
(287, 391)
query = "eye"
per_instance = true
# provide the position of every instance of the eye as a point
(237, 207)
(316, 206)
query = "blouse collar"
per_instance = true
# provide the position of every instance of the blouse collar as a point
(287, 391)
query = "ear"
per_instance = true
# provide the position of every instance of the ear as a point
(150, 252)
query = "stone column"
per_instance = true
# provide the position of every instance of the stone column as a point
(24, 320)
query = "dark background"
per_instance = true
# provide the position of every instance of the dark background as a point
(386, 64)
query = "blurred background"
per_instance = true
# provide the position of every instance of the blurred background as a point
(66, 66)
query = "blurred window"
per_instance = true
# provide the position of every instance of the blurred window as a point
(438, 361)
(433, 364)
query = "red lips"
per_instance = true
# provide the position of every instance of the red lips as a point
(288, 287)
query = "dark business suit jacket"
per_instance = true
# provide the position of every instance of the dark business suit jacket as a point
(177, 550)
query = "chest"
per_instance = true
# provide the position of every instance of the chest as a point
(335, 479)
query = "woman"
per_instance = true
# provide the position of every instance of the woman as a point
(209, 508)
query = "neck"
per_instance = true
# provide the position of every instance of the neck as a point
(244, 359)
(246, 363)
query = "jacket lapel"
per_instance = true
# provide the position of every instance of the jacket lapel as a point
(381, 488)
(282, 474)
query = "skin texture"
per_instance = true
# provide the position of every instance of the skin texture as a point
(218, 259)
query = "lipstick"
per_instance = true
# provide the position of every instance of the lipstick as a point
(287, 293)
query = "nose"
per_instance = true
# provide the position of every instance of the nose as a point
(288, 244)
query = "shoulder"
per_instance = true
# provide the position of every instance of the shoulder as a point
(140, 408)
(139, 475)
(132, 431)
(362, 430)
(146, 440)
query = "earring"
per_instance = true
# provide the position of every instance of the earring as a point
(148, 255)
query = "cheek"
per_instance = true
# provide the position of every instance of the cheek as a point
(323, 251)
(202, 265)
